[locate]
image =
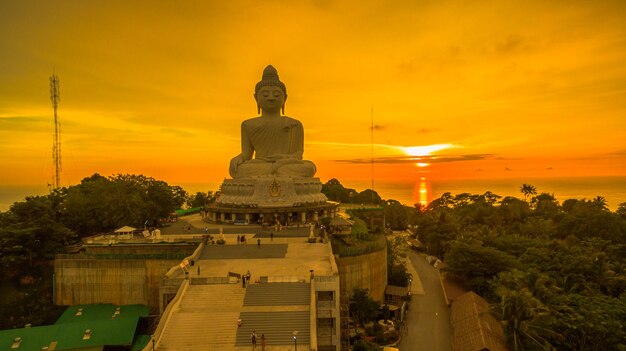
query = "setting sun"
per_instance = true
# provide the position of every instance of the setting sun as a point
(458, 90)
(425, 150)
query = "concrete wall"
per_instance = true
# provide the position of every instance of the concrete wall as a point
(115, 274)
(88, 280)
(367, 271)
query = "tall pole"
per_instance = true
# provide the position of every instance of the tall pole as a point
(372, 158)
(56, 143)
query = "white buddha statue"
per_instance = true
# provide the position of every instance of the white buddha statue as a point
(271, 144)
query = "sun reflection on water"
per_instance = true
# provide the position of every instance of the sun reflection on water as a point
(421, 193)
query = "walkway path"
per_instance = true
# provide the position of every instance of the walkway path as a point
(194, 224)
(428, 318)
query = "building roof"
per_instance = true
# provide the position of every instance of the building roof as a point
(125, 229)
(69, 330)
(101, 312)
(397, 290)
(475, 328)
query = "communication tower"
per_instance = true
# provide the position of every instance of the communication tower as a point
(372, 159)
(56, 141)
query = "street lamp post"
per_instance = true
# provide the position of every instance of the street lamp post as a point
(295, 340)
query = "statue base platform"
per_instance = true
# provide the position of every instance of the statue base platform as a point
(270, 199)
(271, 191)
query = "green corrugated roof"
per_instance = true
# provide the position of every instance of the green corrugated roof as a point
(100, 312)
(32, 338)
(140, 342)
(69, 329)
(117, 331)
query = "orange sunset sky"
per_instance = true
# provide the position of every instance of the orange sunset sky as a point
(478, 89)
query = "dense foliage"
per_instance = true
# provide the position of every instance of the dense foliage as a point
(397, 273)
(362, 307)
(334, 191)
(34, 230)
(555, 273)
(100, 204)
(201, 199)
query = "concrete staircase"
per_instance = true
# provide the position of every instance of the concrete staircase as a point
(278, 294)
(278, 327)
(205, 320)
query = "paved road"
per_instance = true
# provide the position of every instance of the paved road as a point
(428, 318)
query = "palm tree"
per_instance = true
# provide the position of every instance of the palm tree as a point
(491, 197)
(520, 314)
(528, 190)
(600, 203)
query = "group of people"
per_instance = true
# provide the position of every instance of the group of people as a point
(245, 279)
(253, 339)
(241, 239)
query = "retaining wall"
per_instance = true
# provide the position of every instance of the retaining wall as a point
(110, 276)
(367, 271)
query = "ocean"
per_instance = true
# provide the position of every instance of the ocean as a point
(613, 189)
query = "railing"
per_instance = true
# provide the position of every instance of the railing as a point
(313, 319)
(174, 271)
(210, 280)
(363, 247)
(325, 279)
(171, 282)
(325, 304)
(165, 317)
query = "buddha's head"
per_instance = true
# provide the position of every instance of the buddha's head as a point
(270, 93)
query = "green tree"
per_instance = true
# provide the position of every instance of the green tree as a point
(593, 322)
(397, 273)
(436, 229)
(30, 230)
(397, 215)
(621, 210)
(600, 203)
(546, 205)
(476, 264)
(521, 315)
(100, 204)
(491, 197)
(362, 306)
(201, 199)
(444, 201)
(334, 191)
(368, 196)
(364, 345)
(528, 190)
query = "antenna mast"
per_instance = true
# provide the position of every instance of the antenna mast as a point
(372, 153)
(56, 143)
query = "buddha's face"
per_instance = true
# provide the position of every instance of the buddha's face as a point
(270, 98)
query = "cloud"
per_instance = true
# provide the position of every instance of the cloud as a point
(602, 156)
(177, 132)
(617, 153)
(30, 123)
(424, 159)
(512, 44)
